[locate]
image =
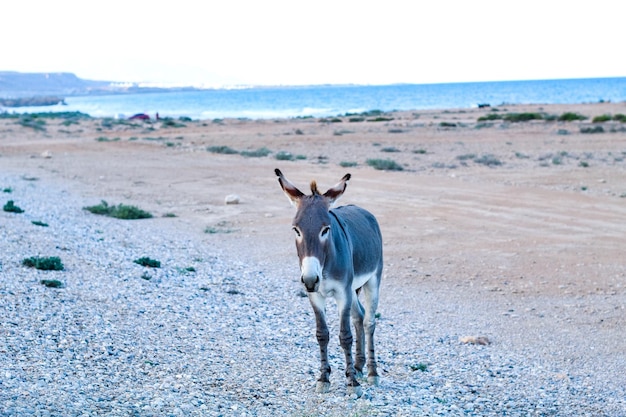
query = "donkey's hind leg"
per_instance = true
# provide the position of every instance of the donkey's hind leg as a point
(370, 300)
(357, 314)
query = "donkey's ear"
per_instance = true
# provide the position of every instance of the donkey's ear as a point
(293, 194)
(335, 192)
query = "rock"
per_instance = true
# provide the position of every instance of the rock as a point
(475, 340)
(232, 199)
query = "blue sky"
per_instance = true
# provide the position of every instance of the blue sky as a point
(289, 43)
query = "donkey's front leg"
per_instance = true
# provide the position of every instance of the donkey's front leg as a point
(319, 308)
(344, 305)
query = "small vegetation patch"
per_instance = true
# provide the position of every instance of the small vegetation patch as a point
(601, 119)
(284, 156)
(7, 190)
(390, 149)
(51, 283)
(447, 124)
(347, 164)
(488, 160)
(10, 207)
(258, 153)
(38, 223)
(222, 149)
(592, 129)
(571, 117)
(51, 263)
(419, 367)
(384, 164)
(147, 262)
(120, 211)
(620, 118)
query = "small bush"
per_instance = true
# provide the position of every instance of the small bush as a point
(601, 119)
(51, 283)
(147, 262)
(522, 117)
(488, 160)
(447, 124)
(620, 118)
(120, 211)
(380, 119)
(38, 223)
(384, 164)
(52, 263)
(259, 153)
(420, 151)
(390, 149)
(419, 367)
(592, 129)
(284, 156)
(466, 156)
(10, 207)
(346, 164)
(570, 117)
(489, 117)
(223, 149)
(7, 190)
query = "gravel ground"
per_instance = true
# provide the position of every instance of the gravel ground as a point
(236, 338)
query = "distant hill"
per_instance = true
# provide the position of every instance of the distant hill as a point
(21, 84)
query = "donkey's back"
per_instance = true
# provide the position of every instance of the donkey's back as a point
(363, 233)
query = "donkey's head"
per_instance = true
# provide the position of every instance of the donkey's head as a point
(312, 226)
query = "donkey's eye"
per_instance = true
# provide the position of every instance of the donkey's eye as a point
(295, 229)
(325, 231)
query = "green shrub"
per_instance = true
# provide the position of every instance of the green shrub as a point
(32, 121)
(52, 263)
(384, 164)
(466, 156)
(51, 283)
(571, 116)
(620, 117)
(259, 153)
(120, 211)
(346, 164)
(420, 151)
(489, 117)
(38, 223)
(601, 119)
(169, 122)
(390, 149)
(522, 117)
(380, 119)
(10, 207)
(227, 150)
(145, 261)
(447, 124)
(488, 160)
(592, 129)
(284, 156)
(7, 190)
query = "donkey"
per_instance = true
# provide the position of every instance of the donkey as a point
(341, 255)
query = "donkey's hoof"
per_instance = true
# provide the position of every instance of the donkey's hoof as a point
(373, 380)
(354, 392)
(322, 387)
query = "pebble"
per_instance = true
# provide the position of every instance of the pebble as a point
(231, 338)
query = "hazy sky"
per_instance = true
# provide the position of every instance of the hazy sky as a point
(314, 42)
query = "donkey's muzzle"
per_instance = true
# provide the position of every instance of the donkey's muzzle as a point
(310, 283)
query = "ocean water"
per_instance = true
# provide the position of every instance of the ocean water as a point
(318, 101)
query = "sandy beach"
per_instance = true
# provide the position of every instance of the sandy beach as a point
(513, 231)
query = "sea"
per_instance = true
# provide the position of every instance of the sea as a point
(333, 100)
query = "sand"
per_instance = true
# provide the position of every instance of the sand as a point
(523, 222)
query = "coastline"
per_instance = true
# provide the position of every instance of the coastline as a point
(509, 230)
